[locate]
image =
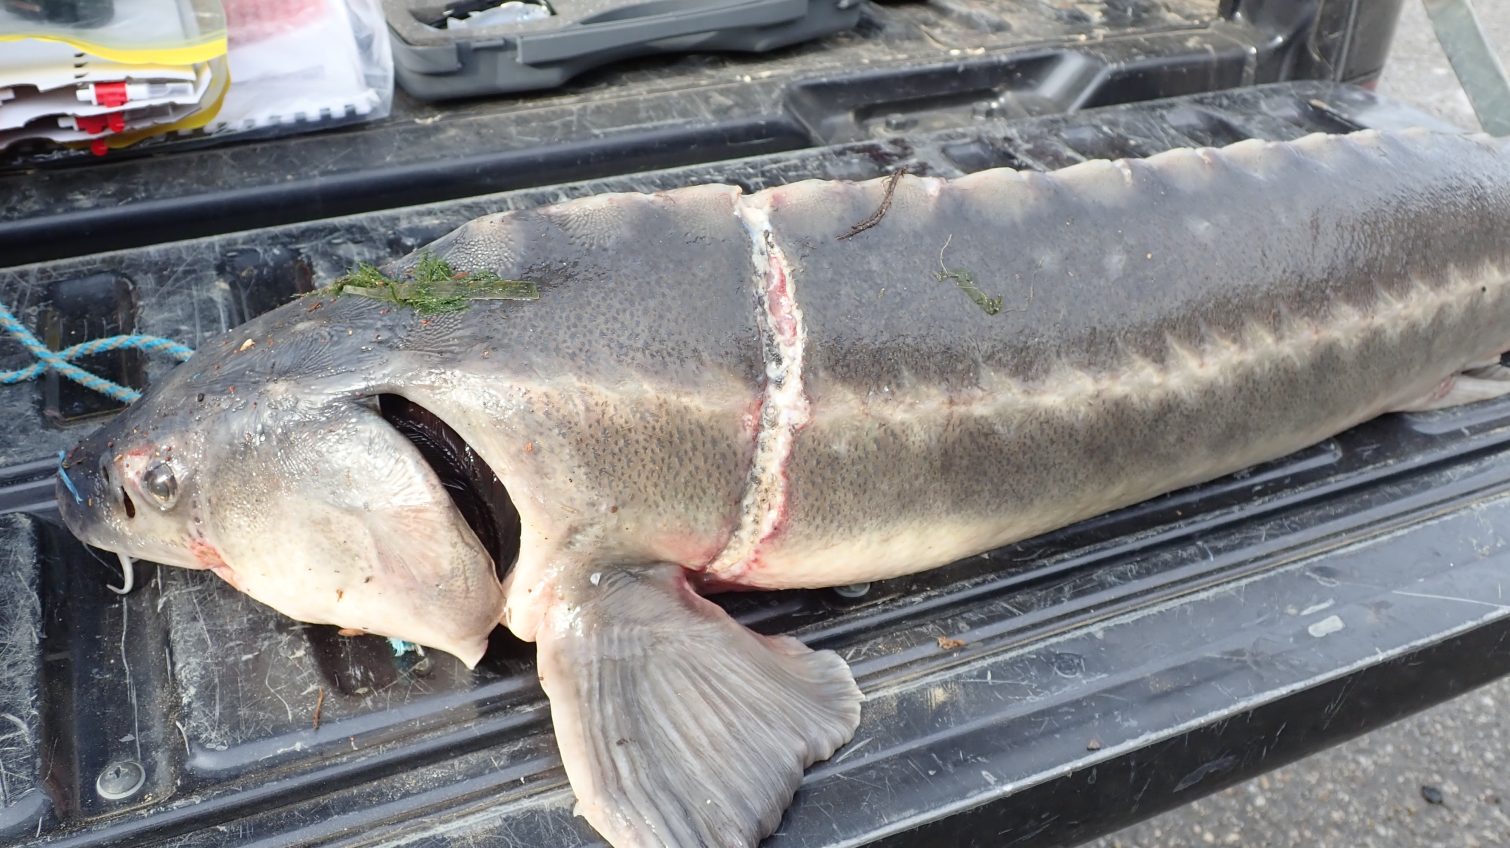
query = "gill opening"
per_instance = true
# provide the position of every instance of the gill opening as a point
(477, 493)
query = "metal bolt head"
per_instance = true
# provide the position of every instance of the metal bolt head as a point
(853, 591)
(422, 667)
(120, 779)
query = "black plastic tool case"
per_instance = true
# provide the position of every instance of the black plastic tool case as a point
(1108, 671)
(437, 62)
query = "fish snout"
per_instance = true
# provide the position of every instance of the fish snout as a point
(82, 491)
(92, 495)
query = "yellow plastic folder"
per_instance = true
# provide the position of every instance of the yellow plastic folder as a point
(154, 67)
(144, 32)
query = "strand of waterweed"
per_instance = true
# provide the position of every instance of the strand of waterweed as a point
(966, 282)
(431, 286)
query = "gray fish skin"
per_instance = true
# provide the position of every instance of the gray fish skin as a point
(1165, 321)
(715, 386)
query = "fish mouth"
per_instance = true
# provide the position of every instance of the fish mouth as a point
(477, 493)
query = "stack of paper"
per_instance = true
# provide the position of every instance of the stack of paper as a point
(166, 69)
(130, 72)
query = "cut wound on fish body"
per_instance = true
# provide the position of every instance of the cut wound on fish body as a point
(711, 384)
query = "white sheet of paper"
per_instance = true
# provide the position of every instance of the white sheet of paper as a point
(62, 102)
(49, 65)
(141, 119)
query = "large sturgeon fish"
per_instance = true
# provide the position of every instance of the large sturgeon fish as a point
(718, 390)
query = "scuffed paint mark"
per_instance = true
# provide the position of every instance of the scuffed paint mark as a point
(1315, 608)
(1326, 627)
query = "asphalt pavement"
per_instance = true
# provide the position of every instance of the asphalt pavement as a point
(1439, 778)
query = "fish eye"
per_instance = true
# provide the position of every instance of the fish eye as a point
(159, 482)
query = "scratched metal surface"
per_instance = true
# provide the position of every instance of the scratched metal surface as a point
(1090, 654)
(639, 115)
(21, 795)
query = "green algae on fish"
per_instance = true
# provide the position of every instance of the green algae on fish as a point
(431, 286)
(966, 282)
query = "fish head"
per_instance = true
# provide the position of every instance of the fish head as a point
(277, 471)
(135, 486)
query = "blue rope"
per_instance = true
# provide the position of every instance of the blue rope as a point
(67, 481)
(59, 361)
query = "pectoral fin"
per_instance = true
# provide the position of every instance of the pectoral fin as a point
(678, 726)
(1481, 383)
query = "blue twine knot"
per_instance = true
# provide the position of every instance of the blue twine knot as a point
(60, 361)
